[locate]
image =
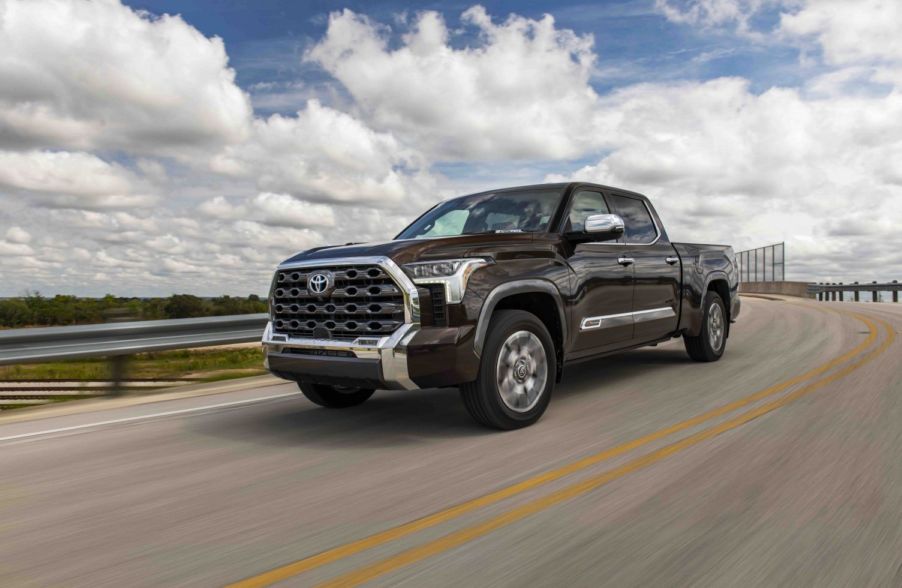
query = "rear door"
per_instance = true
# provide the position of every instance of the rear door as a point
(656, 267)
(603, 299)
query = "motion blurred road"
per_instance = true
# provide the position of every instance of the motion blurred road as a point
(779, 465)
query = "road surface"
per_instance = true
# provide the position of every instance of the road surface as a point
(779, 465)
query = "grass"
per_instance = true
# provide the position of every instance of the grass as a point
(203, 365)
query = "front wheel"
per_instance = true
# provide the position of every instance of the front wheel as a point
(516, 372)
(711, 341)
(334, 396)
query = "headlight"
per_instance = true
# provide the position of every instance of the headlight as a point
(453, 273)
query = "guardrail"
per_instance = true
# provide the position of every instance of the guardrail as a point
(127, 338)
(836, 292)
(119, 340)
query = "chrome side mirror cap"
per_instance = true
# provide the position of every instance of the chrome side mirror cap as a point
(604, 226)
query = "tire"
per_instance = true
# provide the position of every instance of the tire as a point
(710, 343)
(523, 395)
(334, 396)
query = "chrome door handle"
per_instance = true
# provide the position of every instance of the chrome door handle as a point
(626, 260)
(672, 260)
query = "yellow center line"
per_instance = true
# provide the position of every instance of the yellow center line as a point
(465, 535)
(342, 551)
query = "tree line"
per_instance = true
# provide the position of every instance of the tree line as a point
(35, 310)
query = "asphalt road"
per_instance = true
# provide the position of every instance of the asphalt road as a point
(779, 465)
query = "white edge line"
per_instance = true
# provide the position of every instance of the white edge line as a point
(146, 416)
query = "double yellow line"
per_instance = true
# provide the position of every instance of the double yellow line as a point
(467, 534)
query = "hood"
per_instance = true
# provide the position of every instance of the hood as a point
(403, 251)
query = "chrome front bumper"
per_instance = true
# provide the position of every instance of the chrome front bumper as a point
(386, 355)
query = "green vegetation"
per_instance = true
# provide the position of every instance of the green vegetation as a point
(37, 311)
(204, 365)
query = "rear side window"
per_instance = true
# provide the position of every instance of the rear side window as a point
(640, 228)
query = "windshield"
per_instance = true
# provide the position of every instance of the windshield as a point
(528, 211)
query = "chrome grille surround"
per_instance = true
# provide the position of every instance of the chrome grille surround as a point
(389, 347)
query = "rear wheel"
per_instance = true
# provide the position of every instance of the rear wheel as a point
(335, 396)
(710, 343)
(516, 372)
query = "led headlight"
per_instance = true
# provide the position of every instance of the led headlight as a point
(453, 273)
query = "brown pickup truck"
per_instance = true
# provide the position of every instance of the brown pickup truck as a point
(495, 293)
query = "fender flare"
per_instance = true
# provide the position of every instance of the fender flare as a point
(509, 289)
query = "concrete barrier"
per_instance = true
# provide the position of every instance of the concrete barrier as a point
(799, 289)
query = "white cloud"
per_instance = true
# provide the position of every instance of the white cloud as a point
(849, 32)
(84, 75)
(271, 209)
(321, 155)
(521, 90)
(70, 180)
(715, 13)
(18, 235)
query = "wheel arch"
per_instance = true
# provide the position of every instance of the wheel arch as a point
(532, 296)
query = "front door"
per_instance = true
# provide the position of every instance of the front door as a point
(603, 300)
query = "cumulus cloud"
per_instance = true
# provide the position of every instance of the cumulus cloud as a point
(849, 32)
(18, 235)
(85, 75)
(271, 209)
(321, 155)
(519, 89)
(63, 179)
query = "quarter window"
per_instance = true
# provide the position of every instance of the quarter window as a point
(640, 228)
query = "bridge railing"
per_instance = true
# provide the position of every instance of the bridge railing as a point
(837, 291)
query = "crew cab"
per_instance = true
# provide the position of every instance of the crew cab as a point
(496, 293)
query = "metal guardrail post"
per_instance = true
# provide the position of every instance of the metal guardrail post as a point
(118, 374)
(895, 292)
(873, 294)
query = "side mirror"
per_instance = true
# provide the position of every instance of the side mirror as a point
(604, 227)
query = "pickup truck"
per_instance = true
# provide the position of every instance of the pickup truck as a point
(496, 293)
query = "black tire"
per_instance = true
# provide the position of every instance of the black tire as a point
(483, 398)
(334, 396)
(700, 348)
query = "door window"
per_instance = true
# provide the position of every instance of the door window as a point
(640, 228)
(585, 203)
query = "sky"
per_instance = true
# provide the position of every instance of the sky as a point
(154, 147)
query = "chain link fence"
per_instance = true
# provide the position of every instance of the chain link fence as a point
(763, 264)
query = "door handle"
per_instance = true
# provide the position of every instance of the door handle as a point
(672, 260)
(625, 261)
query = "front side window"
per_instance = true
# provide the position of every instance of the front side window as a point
(527, 211)
(585, 203)
(639, 226)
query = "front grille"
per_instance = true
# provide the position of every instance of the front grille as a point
(439, 310)
(365, 302)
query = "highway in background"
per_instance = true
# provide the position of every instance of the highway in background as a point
(778, 465)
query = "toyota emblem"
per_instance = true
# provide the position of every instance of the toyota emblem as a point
(320, 283)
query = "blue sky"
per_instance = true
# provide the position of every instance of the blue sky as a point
(634, 41)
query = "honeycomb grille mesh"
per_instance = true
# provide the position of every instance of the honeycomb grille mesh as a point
(365, 302)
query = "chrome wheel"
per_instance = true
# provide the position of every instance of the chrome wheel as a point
(715, 326)
(522, 371)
